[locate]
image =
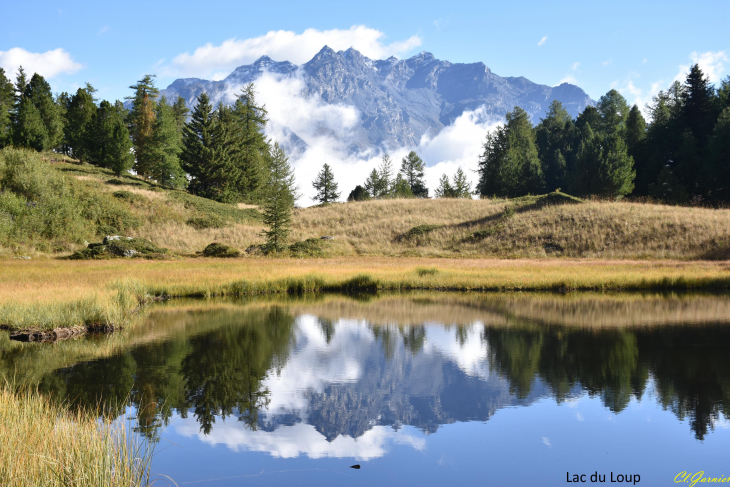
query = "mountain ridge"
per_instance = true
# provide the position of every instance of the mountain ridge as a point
(398, 101)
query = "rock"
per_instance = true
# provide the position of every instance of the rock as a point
(326, 238)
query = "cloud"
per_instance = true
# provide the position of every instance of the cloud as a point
(546, 441)
(48, 64)
(568, 79)
(710, 62)
(542, 41)
(579, 417)
(575, 66)
(285, 45)
(104, 29)
(607, 62)
(326, 129)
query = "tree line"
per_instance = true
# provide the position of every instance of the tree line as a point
(220, 153)
(680, 155)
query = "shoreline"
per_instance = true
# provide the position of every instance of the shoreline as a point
(60, 298)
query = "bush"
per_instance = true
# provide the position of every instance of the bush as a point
(220, 250)
(206, 221)
(116, 247)
(417, 232)
(311, 247)
(129, 197)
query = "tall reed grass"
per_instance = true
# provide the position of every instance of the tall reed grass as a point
(43, 443)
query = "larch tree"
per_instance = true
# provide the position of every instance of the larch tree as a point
(279, 197)
(141, 119)
(166, 146)
(412, 169)
(461, 185)
(385, 173)
(444, 189)
(326, 186)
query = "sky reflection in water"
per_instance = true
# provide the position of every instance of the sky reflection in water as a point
(509, 392)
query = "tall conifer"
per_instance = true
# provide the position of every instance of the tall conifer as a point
(140, 120)
(412, 169)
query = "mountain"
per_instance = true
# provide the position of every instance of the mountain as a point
(398, 100)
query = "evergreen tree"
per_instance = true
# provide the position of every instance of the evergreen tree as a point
(38, 122)
(81, 110)
(108, 142)
(227, 174)
(699, 105)
(461, 185)
(412, 169)
(718, 170)
(444, 189)
(635, 138)
(326, 186)
(589, 116)
(279, 197)
(509, 165)
(7, 100)
(181, 112)
(358, 194)
(166, 146)
(603, 166)
(614, 111)
(141, 118)
(253, 149)
(553, 137)
(723, 94)
(385, 173)
(372, 184)
(63, 101)
(197, 158)
(401, 188)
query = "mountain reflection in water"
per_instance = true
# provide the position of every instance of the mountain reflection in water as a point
(308, 377)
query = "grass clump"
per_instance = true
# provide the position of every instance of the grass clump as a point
(129, 197)
(117, 247)
(206, 221)
(312, 247)
(220, 250)
(431, 271)
(45, 443)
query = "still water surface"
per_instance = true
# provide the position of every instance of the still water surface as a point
(419, 389)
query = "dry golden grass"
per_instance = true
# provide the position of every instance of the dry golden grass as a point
(615, 230)
(45, 293)
(44, 443)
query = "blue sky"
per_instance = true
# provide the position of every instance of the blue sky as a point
(637, 47)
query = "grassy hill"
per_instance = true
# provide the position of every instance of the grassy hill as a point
(54, 206)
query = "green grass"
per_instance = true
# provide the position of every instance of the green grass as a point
(45, 443)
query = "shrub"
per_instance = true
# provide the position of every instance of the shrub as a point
(311, 247)
(116, 247)
(129, 197)
(206, 221)
(220, 250)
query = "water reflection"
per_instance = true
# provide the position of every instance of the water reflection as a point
(340, 377)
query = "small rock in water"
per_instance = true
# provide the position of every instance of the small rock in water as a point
(355, 466)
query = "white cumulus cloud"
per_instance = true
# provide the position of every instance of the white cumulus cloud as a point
(711, 63)
(568, 79)
(283, 45)
(48, 64)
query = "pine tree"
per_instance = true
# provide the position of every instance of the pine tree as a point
(81, 109)
(699, 104)
(6, 109)
(253, 147)
(401, 188)
(553, 137)
(723, 94)
(326, 186)
(166, 145)
(444, 189)
(412, 168)
(279, 197)
(461, 185)
(373, 184)
(38, 123)
(358, 194)
(108, 141)
(603, 166)
(227, 175)
(718, 167)
(614, 111)
(509, 165)
(197, 158)
(140, 121)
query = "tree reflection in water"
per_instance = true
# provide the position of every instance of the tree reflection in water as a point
(218, 366)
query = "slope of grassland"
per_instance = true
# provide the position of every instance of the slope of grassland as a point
(555, 225)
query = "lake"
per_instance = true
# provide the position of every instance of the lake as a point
(416, 389)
